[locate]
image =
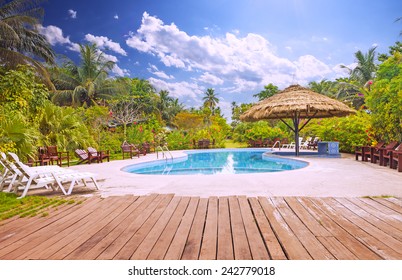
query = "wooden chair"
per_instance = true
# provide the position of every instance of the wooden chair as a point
(57, 156)
(379, 153)
(367, 151)
(129, 149)
(85, 157)
(99, 154)
(389, 155)
(396, 161)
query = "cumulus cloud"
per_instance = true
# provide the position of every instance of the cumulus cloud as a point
(154, 70)
(55, 36)
(310, 68)
(247, 62)
(72, 13)
(103, 42)
(211, 79)
(178, 89)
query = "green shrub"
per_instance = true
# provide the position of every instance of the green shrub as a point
(351, 131)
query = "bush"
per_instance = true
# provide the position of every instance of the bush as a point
(351, 131)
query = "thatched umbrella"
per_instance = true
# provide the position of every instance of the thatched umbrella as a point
(296, 103)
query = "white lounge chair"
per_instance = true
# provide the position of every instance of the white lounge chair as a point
(304, 145)
(49, 178)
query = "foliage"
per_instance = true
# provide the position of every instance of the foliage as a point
(20, 91)
(269, 90)
(210, 100)
(178, 140)
(188, 121)
(16, 133)
(20, 36)
(85, 84)
(63, 127)
(257, 131)
(385, 99)
(351, 131)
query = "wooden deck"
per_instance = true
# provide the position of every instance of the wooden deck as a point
(225, 228)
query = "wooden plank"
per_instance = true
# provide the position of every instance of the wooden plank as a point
(101, 235)
(336, 248)
(390, 204)
(178, 244)
(309, 241)
(293, 248)
(63, 243)
(42, 233)
(372, 243)
(225, 243)
(371, 218)
(22, 227)
(162, 244)
(369, 228)
(129, 241)
(271, 242)
(391, 219)
(395, 200)
(83, 234)
(209, 241)
(144, 249)
(115, 239)
(383, 210)
(193, 244)
(351, 244)
(240, 243)
(255, 240)
(308, 220)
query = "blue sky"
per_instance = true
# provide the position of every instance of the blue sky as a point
(235, 47)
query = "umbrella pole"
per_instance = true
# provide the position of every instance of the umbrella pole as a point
(296, 125)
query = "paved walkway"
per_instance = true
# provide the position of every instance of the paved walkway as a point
(236, 227)
(324, 177)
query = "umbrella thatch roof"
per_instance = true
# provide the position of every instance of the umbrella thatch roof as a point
(296, 99)
(296, 102)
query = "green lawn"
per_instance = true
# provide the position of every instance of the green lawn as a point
(28, 206)
(230, 144)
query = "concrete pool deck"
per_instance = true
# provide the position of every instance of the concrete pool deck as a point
(323, 177)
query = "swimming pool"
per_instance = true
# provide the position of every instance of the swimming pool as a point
(218, 162)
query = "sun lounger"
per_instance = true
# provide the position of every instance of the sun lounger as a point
(48, 178)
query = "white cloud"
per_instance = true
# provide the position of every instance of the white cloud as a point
(178, 89)
(116, 16)
(120, 72)
(211, 79)
(103, 42)
(55, 36)
(72, 13)
(310, 68)
(248, 61)
(154, 70)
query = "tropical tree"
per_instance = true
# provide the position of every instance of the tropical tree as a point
(268, 91)
(361, 77)
(20, 41)
(210, 100)
(365, 68)
(384, 100)
(324, 87)
(87, 83)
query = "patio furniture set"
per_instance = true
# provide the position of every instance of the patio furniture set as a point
(390, 154)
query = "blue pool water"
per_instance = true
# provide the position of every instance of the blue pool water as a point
(218, 162)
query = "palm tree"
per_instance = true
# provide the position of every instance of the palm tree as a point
(87, 83)
(366, 67)
(210, 100)
(20, 41)
(360, 78)
(324, 87)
